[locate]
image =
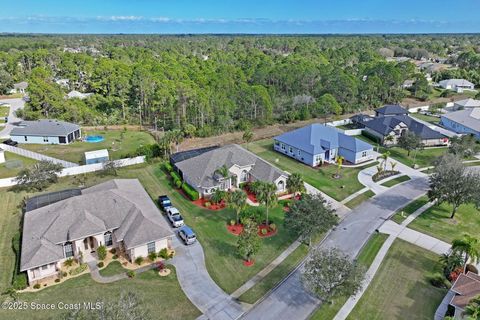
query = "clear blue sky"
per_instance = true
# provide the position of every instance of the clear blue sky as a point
(242, 16)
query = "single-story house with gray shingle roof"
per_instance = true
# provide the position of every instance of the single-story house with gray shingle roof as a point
(465, 121)
(317, 143)
(456, 84)
(389, 129)
(117, 214)
(466, 103)
(46, 131)
(391, 110)
(20, 87)
(201, 172)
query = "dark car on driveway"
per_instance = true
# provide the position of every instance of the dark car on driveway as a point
(10, 142)
(164, 202)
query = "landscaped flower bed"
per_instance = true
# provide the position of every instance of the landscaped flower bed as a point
(265, 231)
(207, 204)
(235, 229)
(248, 263)
(383, 174)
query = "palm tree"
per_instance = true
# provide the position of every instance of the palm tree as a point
(247, 137)
(267, 195)
(393, 164)
(467, 246)
(237, 200)
(472, 310)
(295, 183)
(223, 171)
(384, 156)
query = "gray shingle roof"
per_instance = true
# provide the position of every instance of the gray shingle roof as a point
(44, 127)
(384, 125)
(468, 103)
(455, 82)
(21, 85)
(121, 205)
(200, 170)
(469, 118)
(317, 138)
(391, 109)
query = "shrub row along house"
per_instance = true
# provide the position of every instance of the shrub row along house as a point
(202, 169)
(317, 144)
(392, 121)
(117, 214)
(46, 131)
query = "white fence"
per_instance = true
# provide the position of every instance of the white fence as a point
(37, 156)
(339, 123)
(8, 182)
(353, 132)
(418, 109)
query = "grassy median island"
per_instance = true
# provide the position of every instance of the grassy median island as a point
(365, 258)
(400, 290)
(161, 297)
(321, 178)
(119, 143)
(395, 181)
(410, 208)
(436, 222)
(359, 199)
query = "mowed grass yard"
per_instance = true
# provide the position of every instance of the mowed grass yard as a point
(400, 290)
(427, 118)
(365, 258)
(321, 178)
(437, 223)
(118, 142)
(13, 164)
(161, 297)
(4, 112)
(410, 208)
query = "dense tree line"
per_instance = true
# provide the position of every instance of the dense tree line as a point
(213, 84)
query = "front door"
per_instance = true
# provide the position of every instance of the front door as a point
(92, 243)
(85, 243)
(327, 155)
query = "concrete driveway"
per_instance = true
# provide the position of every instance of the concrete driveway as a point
(195, 281)
(15, 104)
(290, 300)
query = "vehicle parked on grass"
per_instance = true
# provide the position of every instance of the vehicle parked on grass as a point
(174, 216)
(10, 142)
(187, 235)
(164, 202)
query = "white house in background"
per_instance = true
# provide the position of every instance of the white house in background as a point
(78, 95)
(46, 131)
(2, 155)
(96, 156)
(117, 214)
(20, 87)
(65, 83)
(466, 103)
(456, 84)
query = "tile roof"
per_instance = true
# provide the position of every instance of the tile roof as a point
(121, 205)
(200, 170)
(44, 127)
(469, 118)
(384, 125)
(466, 287)
(317, 138)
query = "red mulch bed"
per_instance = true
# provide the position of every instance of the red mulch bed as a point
(251, 196)
(269, 233)
(248, 263)
(213, 206)
(235, 229)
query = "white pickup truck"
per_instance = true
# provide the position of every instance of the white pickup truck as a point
(174, 216)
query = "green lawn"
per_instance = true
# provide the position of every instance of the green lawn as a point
(4, 112)
(14, 163)
(393, 182)
(321, 178)
(119, 144)
(437, 223)
(359, 199)
(424, 117)
(410, 208)
(423, 158)
(365, 258)
(161, 297)
(400, 289)
(112, 269)
(275, 276)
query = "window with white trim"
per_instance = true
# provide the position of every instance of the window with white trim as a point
(45, 139)
(68, 249)
(364, 154)
(151, 247)
(108, 238)
(283, 146)
(290, 149)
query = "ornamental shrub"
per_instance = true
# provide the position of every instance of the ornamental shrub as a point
(167, 167)
(114, 257)
(113, 251)
(131, 274)
(68, 262)
(232, 222)
(20, 281)
(36, 286)
(101, 252)
(139, 260)
(264, 231)
(273, 226)
(190, 192)
(178, 183)
(100, 264)
(152, 256)
(163, 254)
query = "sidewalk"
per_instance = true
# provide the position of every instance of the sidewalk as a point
(340, 208)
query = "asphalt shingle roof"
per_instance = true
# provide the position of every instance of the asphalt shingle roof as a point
(455, 82)
(384, 125)
(391, 109)
(121, 205)
(317, 138)
(200, 170)
(468, 103)
(44, 127)
(469, 118)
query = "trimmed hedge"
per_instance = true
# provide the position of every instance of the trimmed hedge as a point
(371, 136)
(177, 181)
(190, 192)
(167, 167)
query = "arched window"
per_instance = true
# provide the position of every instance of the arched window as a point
(68, 249)
(243, 176)
(108, 238)
(281, 185)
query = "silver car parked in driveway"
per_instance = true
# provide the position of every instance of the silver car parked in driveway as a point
(187, 235)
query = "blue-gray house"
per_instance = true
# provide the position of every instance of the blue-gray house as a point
(316, 144)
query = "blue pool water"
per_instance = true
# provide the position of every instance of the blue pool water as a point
(94, 139)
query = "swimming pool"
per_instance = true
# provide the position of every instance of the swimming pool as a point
(94, 139)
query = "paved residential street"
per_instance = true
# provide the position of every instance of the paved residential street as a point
(290, 300)
(15, 104)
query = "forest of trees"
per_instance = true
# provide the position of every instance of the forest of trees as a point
(214, 84)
